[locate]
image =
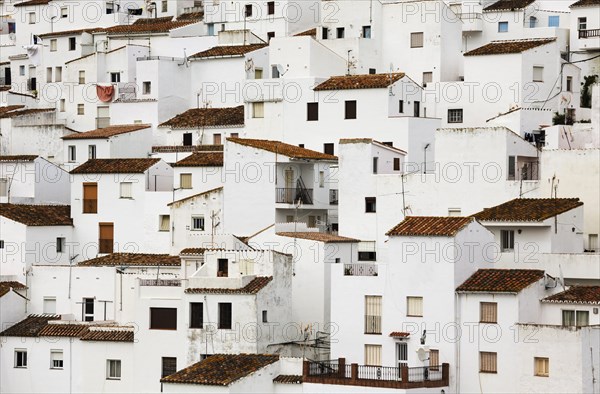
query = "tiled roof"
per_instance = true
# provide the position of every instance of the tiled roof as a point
(5, 88)
(310, 32)
(133, 259)
(227, 50)
(23, 112)
(17, 158)
(256, 285)
(86, 332)
(70, 32)
(585, 3)
(577, 295)
(192, 197)
(509, 46)
(187, 148)
(528, 209)
(149, 25)
(500, 280)
(6, 286)
(281, 148)
(115, 166)
(321, 237)
(399, 334)
(81, 58)
(288, 379)
(364, 81)
(38, 215)
(10, 108)
(191, 16)
(29, 327)
(106, 132)
(508, 5)
(221, 369)
(207, 117)
(202, 159)
(70, 329)
(369, 141)
(32, 2)
(430, 226)
(108, 334)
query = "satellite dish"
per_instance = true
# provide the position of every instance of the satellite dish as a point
(281, 69)
(422, 353)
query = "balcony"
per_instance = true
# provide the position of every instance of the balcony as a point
(338, 373)
(291, 195)
(333, 197)
(472, 21)
(589, 33)
(160, 282)
(360, 269)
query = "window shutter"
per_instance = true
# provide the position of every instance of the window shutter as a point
(416, 40)
(259, 110)
(366, 246)
(185, 181)
(163, 318)
(165, 221)
(373, 355)
(488, 312)
(434, 359)
(414, 306)
(126, 190)
(488, 362)
(372, 314)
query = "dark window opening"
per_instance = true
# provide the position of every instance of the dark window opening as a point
(224, 315)
(163, 318)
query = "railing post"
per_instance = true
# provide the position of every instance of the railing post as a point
(404, 373)
(354, 372)
(341, 368)
(305, 368)
(446, 373)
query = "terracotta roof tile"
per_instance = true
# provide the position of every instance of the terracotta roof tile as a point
(509, 46)
(221, 369)
(577, 295)
(310, 32)
(218, 189)
(320, 237)
(528, 209)
(70, 32)
(227, 50)
(31, 3)
(430, 226)
(5, 88)
(149, 25)
(201, 159)
(585, 3)
(6, 286)
(38, 215)
(284, 149)
(207, 117)
(108, 334)
(68, 329)
(191, 16)
(29, 327)
(10, 108)
(23, 112)
(184, 148)
(288, 379)
(106, 132)
(399, 334)
(364, 81)
(115, 166)
(508, 5)
(500, 280)
(133, 259)
(17, 158)
(256, 285)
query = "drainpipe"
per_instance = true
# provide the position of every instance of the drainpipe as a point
(425, 158)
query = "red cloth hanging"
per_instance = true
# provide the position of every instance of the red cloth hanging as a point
(105, 93)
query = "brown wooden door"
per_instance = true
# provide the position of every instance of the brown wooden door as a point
(106, 237)
(90, 198)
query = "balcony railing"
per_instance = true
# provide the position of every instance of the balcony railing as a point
(333, 197)
(288, 195)
(360, 269)
(161, 282)
(372, 324)
(339, 373)
(589, 33)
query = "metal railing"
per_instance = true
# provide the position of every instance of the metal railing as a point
(372, 324)
(373, 372)
(323, 368)
(161, 282)
(288, 195)
(470, 15)
(360, 269)
(589, 33)
(425, 374)
(333, 196)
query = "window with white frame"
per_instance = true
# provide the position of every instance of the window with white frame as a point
(455, 116)
(80, 109)
(367, 251)
(582, 23)
(56, 359)
(574, 318)
(53, 45)
(258, 110)
(115, 77)
(113, 369)
(554, 21)
(414, 306)
(454, 212)
(427, 78)
(164, 222)
(81, 77)
(373, 355)
(64, 12)
(126, 190)
(20, 358)
(198, 223)
(72, 149)
(31, 18)
(49, 306)
(538, 74)
(507, 240)
(91, 151)
(503, 27)
(541, 366)
(185, 181)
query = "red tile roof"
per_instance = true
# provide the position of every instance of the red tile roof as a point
(399, 334)
(364, 81)
(256, 285)
(109, 334)
(221, 369)
(508, 5)
(201, 159)
(17, 158)
(86, 331)
(284, 149)
(576, 295)
(6, 286)
(32, 2)
(67, 329)
(24, 112)
(218, 189)
(10, 108)
(500, 280)
(38, 215)
(149, 26)
(115, 166)
(585, 3)
(509, 46)
(207, 117)
(133, 259)
(184, 148)
(430, 226)
(528, 209)
(227, 51)
(288, 379)
(29, 327)
(107, 132)
(70, 32)
(191, 16)
(310, 32)
(320, 237)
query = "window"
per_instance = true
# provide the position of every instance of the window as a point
(110, 7)
(373, 355)
(72, 153)
(106, 238)
(49, 74)
(312, 111)
(185, 181)
(80, 109)
(532, 22)
(265, 317)
(164, 222)
(375, 164)
(417, 109)
(396, 164)
(81, 77)
(53, 45)
(90, 196)
(87, 309)
(401, 106)
(258, 110)
(538, 74)
(455, 116)
(1, 244)
(274, 71)
(414, 306)
(454, 212)
(197, 223)
(223, 268)
(146, 87)
(372, 314)
(58, 74)
(488, 312)
(502, 27)
(169, 364)
(321, 179)
(488, 362)
(328, 149)
(340, 32)
(72, 43)
(582, 23)
(325, 33)
(507, 240)
(541, 366)
(217, 139)
(163, 318)
(126, 190)
(434, 359)
(367, 251)
(553, 21)
(569, 84)
(572, 318)
(3, 187)
(366, 31)
(61, 105)
(224, 315)
(370, 204)
(49, 306)
(372, 71)
(31, 18)
(113, 369)
(164, 6)
(56, 359)
(64, 12)
(12, 27)
(21, 70)
(592, 242)
(511, 168)
(271, 8)
(248, 10)
(187, 139)
(258, 73)
(60, 245)
(416, 40)
(350, 109)
(20, 358)
(91, 151)
(427, 78)
(115, 77)
(196, 315)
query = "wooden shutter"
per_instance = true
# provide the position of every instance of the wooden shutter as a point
(416, 40)
(224, 315)
(396, 164)
(488, 362)
(106, 237)
(372, 314)
(488, 312)
(373, 355)
(185, 181)
(414, 306)
(163, 318)
(169, 366)
(351, 109)
(165, 221)
(434, 359)
(90, 198)
(312, 110)
(542, 366)
(196, 315)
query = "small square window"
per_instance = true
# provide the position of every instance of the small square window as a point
(20, 358)
(427, 78)
(164, 222)
(312, 110)
(56, 359)
(258, 110)
(248, 10)
(126, 189)
(538, 74)
(507, 240)
(488, 312)
(502, 27)
(340, 32)
(328, 148)
(370, 204)
(541, 366)
(416, 40)
(31, 18)
(554, 21)
(113, 369)
(197, 223)
(582, 23)
(53, 45)
(164, 6)
(414, 306)
(185, 181)
(115, 77)
(455, 116)
(80, 109)
(488, 362)
(366, 31)
(147, 87)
